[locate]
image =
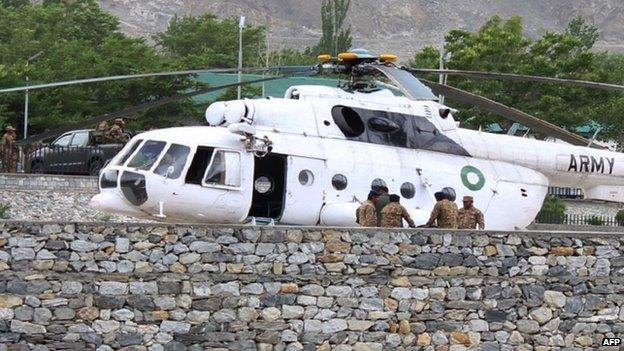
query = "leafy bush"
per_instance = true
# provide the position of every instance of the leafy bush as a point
(4, 210)
(619, 217)
(553, 211)
(595, 220)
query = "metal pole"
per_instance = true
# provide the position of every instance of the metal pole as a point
(241, 24)
(268, 52)
(26, 110)
(441, 76)
(33, 57)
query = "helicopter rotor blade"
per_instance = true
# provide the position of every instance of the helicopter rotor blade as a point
(280, 69)
(508, 112)
(139, 108)
(520, 78)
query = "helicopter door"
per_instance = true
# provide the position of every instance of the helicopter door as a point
(268, 186)
(304, 190)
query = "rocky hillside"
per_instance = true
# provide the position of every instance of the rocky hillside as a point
(400, 26)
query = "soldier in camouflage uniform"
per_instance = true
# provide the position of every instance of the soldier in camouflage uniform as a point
(443, 213)
(470, 216)
(384, 199)
(366, 214)
(392, 214)
(8, 149)
(116, 133)
(451, 198)
(101, 133)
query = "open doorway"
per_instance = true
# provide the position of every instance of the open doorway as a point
(268, 184)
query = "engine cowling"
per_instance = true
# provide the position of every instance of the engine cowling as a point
(224, 113)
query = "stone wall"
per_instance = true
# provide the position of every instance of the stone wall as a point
(182, 287)
(48, 182)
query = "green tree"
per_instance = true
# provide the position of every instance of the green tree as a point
(500, 46)
(336, 36)
(553, 211)
(208, 42)
(78, 40)
(247, 91)
(619, 217)
(14, 3)
(291, 57)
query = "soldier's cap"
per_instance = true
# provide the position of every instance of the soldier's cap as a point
(439, 195)
(468, 198)
(372, 194)
(119, 121)
(9, 128)
(395, 198)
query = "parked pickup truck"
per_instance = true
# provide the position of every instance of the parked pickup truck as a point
(74, 152)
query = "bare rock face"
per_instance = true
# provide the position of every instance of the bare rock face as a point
(397, 26)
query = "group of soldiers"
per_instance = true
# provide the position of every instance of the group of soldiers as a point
(385, 210)
(115, 134)
(446, 214)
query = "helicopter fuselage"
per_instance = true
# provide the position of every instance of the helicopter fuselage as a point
(312, 157)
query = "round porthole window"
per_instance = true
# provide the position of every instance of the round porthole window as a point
(339, 182)
(408, 190)
(263, 185)
(377, 183)
(306, 178)
(450, 193)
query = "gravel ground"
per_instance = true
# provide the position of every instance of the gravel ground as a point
(49, 205)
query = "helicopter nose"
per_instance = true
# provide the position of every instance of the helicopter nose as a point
(112, 202)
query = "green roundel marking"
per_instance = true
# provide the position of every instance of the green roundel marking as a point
(474, 186)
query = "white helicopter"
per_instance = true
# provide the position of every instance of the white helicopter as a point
(311, 157)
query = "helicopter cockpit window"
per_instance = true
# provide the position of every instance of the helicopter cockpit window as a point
(147, 155)
(348, 120)
(128, 150)
(171, 165)
(200, 162)
(225, 169)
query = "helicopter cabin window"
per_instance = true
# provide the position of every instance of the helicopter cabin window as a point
(147, 155)
(128, 150)
(408, 190)
(171, 165)
(199, 164)
(224, 169)
(377, 182)
(339, 182)
(450, 193)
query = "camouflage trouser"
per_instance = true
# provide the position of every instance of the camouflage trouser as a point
(9, 162)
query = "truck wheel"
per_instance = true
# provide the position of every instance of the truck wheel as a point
(95, 166)
(37, 167)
